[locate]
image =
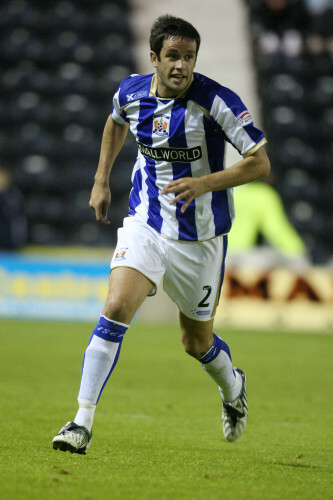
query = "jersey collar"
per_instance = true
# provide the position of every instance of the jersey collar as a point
(153, 90)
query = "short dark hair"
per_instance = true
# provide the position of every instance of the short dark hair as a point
(166, 27)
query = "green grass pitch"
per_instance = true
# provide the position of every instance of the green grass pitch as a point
(157, 432)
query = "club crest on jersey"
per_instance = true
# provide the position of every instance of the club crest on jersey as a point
(244, 118)
(120, 254)
(161, 125)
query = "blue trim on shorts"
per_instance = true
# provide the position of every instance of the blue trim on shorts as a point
(225, 247)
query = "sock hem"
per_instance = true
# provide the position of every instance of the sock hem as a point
(113, 321)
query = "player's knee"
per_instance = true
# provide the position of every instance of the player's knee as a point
(192, 352)
(117, 309)
(193, 348)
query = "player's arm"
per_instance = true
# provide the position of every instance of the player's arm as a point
(251, 168)
(114, 136)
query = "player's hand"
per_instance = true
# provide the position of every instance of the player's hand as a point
(100, 200)
(186, 188)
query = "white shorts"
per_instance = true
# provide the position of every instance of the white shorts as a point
(192, 272)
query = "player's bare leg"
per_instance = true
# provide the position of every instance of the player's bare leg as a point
(197, 336)
(127, 290)
(201, 343)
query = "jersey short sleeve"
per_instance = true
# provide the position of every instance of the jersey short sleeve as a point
(131, 90)
(117, 113)
(231, 114)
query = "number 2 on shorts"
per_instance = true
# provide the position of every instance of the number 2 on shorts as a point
(203, 302)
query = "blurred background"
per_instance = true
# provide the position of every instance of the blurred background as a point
(61, 63)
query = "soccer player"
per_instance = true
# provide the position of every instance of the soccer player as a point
(180, 211)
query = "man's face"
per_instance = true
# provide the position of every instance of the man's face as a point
(175, 68)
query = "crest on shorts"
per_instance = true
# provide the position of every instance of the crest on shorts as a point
(120, 254)
(161, 125)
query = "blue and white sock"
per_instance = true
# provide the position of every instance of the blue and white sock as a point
(99, 361)
(217, 363)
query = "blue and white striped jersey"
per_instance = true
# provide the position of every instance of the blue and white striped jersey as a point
(183, 137)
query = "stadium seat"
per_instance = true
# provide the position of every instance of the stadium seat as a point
(25, 76)
(46, 234)
(19, 13)
(284, 89)
(90, 233)
(29, 106)
(67, 15)
(75, 109)
(78, 210)
(35, 173)
(45, 208)
(76, 139)
(322, 95)
(79, 174)
(303, 213)
(72, 78)
(114, 74)
(324, 126)
(110, 14)
(15, 42)
(112, 47)
(27, 138)
(298, 184)
(292, 152)
(284, 121)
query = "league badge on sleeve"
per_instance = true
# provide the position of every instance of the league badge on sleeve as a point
(244, 118)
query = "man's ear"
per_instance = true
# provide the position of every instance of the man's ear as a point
(153, 58)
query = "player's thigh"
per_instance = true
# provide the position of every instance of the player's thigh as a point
(194, 276)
